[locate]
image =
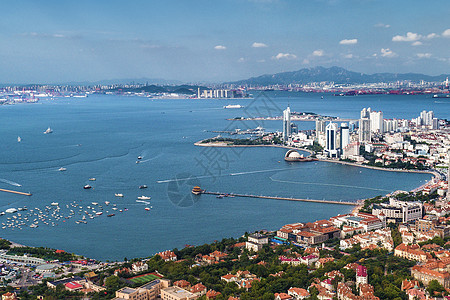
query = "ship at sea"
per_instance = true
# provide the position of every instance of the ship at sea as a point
(233, 106)
(442, 96)
(49, 130)
(19, 139)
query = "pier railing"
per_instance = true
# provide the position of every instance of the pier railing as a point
(281, 198)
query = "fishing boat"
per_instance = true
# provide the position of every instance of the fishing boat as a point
(87, 186)
(139, 157)
(99, 213)
(49, 130)
(62, 169)
(111, 215)
(118, 195)
(92, 179)
(147, 208)
(144, 198)
(143, 186)
(19, 139)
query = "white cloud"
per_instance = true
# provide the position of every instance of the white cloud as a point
(348, 55)
(241, 59)
(446, 33)
(409, 37)
(387, 52)
(287, 56)
(318, 52)
(417, 43)
(349, 42)
(381, 25)
(220, 47)
(431, 36)
(423, 55)
(259, 45)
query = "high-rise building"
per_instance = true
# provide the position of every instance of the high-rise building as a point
(376, 121)
(435, 123)
(364, 130)
(345, 135)
(320, 125)
(365, 113)
(286, 124)
(331, 131)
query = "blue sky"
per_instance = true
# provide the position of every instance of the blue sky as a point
(213, 41)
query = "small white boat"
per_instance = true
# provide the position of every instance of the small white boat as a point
(144, 198)
(139, 157)
(99, 213)
(19, 139)
(87, 186)
(49, 130)
(107, 202)
(138, 161)
(92, 179)
(54, 203)
(118, 195)
(94, 203)
(233, 106)
(147, 208)
(62, 169)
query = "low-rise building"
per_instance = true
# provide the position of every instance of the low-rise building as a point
(298, 293)
(177, 293)
(399, 211)
(167, 255)
(139, 266)
(359, 220)
(256, 241)
(411, 252)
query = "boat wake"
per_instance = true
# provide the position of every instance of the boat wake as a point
(142, 201)
(231, 174)
(329, 184)
(10, 182)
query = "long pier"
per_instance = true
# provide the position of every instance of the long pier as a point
(15, 192)
(282, 198)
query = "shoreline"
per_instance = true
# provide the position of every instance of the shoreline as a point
(356, 209)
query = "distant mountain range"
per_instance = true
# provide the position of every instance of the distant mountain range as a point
(335, 74)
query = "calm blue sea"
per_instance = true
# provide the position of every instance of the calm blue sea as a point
(102, 136)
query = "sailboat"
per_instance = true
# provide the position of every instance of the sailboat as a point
(19, 139)
(49, 130)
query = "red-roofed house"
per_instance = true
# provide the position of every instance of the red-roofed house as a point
(298, 293)
(211, 294)
(73, 286)
(167, 255)
(282, 296)
(198, 289)
(229, 278)
(184, 284)
(361, 275)
(9, 296)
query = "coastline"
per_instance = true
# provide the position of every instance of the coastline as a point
(357, 208)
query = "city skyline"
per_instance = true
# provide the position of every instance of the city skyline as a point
(201, 41)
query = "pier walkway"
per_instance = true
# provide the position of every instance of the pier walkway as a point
(283, 198)
(15, 192)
